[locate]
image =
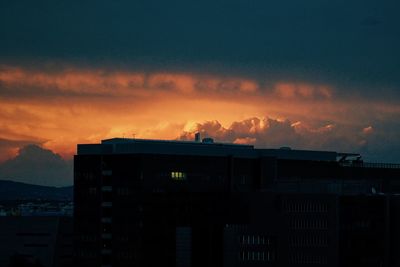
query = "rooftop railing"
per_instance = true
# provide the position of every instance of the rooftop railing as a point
(370, 165)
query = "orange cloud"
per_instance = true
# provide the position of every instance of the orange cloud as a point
(62, 108)
(302, 90)
(368, 130)
(245, 141)
(101, 82)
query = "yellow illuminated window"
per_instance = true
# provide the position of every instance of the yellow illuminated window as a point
(178, 176)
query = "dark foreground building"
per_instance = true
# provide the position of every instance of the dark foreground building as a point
(36, 241)
(170, 203)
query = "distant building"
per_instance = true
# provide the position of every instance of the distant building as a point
(173, 203)
(44, 241)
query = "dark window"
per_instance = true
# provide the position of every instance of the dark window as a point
(33, 234)
(34, 245)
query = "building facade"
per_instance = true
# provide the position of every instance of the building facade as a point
(36, 241)
(172, 203)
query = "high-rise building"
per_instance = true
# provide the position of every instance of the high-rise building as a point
(175, 203)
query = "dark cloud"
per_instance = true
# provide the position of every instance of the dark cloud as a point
(375, 144)
(273, 40)
(9, 146)
(37, 165)
(371, 21)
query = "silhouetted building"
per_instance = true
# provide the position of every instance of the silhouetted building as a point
(36, 241)
(173, 203)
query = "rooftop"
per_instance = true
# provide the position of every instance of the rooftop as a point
(205, 148)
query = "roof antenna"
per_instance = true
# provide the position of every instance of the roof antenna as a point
(197, 137)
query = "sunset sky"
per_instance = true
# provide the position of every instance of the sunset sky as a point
(312, 74)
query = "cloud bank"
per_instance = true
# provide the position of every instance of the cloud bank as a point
(36, 165)
(60, 108)
(266, 132)
(337, 42)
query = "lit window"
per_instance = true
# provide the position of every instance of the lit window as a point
(178, 176)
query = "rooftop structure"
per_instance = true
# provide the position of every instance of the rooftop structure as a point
(146, 146)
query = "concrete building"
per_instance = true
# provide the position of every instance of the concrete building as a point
(173, 203)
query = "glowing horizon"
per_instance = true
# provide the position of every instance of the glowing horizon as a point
(58, 109)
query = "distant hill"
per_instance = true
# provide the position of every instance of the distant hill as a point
(10, 190)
